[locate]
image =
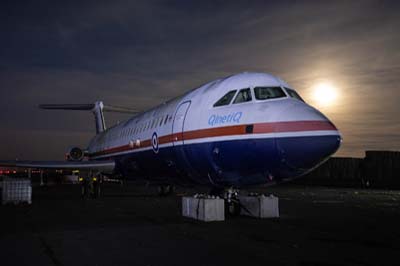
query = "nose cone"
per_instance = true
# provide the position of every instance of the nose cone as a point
(311, 140)
(301, 154)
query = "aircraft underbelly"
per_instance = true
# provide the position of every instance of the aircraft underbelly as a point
(234, 162)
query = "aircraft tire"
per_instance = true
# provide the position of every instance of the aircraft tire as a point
(232, 208)
(166, 190)
(96, 193)
(84, 189)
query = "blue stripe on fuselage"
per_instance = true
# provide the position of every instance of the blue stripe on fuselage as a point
(230, 163)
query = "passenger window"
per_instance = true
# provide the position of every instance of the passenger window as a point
(294, 94)
(244, 95)
(264, 93)
(166, 119)
(226, 99)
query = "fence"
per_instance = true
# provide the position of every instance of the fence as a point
(379, 169)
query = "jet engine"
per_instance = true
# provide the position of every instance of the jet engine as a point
(75, 154)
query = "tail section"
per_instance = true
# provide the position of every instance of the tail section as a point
(97, 108)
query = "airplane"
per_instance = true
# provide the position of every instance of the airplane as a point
(246, 129)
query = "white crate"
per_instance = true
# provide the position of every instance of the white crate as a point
(16, 191)
(203, 209)
(259, 206)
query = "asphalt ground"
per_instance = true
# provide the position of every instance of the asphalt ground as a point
(131, 225)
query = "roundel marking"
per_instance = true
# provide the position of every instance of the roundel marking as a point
(154, 142)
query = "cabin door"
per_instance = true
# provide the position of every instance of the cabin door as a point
(179, 122)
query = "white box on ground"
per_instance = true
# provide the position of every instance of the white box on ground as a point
(259, 206)
(204, 209)
(16, 190)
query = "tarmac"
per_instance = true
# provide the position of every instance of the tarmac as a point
(131, 225)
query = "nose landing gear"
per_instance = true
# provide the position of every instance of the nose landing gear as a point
(231, 198)
(232, 203)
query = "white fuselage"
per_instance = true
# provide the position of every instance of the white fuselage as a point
(191, 123)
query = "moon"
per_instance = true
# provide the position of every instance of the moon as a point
(325, 93)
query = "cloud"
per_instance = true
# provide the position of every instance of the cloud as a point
(140, 54)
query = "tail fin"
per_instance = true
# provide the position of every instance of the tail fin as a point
(97, 108)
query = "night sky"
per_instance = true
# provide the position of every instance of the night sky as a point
(141, 53)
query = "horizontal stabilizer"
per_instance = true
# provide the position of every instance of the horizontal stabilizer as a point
(104, 166)
(97, 108)
(88, 107)
(119, 109)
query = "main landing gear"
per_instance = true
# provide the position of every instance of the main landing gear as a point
(91, 186)
(166, 190)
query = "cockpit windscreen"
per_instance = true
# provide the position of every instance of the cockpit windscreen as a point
(294, 94)
(264, 93)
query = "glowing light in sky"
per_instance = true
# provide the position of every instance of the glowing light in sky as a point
(325, 93)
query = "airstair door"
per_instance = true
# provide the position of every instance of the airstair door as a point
(179, 123)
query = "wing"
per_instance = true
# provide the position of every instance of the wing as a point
(104, 166)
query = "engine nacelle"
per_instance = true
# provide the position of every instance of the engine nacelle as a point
(75, 154)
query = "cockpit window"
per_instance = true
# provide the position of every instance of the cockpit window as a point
(244, 95)
(226, 99)
(294, 94)
(264, 93)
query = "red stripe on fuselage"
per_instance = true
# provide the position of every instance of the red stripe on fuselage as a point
(214, 132)
(274, 127)
(293, 126)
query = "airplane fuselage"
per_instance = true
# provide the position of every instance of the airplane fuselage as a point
(246, 129)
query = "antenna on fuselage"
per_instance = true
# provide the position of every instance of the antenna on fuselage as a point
(97, 108)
